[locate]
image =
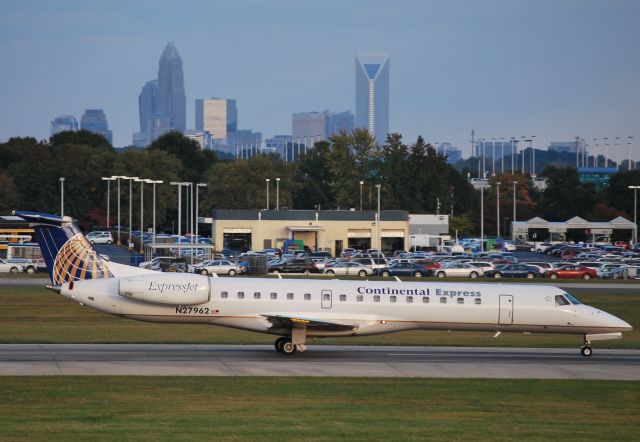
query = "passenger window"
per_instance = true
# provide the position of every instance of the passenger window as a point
(478, 301)
(425, 300)
(224, 294)
(240, 295)
(409, 299)
(289, 296)
(443, 300)
(256, 295)
(392, 298)
(359, 298)
(326, 297)
(460, 300)
(561, 300)
(307, 296)
(376, 298)
(343, 297)
(274, 296)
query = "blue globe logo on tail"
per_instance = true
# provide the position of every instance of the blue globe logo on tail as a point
(68, 254)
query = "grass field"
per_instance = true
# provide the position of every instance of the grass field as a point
(36, 315)
(324, 409)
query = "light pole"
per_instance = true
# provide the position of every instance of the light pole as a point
(198, 186)
(118, 178)
(141, 181)
(131, 180)
(154, 182)
(378, 186)
(513, 237)
(61, 196)
(629, 152)
(635, 212)
(361, 184)
(493, 156)
(277, 193)
(267, 180)
(498, 209)
(179, 187)
(482, 218)
(108, 180)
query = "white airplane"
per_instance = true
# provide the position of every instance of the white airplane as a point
(296, 310)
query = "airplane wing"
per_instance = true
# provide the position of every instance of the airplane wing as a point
(287, 321)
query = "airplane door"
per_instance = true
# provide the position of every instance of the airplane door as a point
(506, 310)
(326, 298)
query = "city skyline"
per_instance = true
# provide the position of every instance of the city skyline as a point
(550, 69)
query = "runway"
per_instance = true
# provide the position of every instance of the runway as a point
(318, 360)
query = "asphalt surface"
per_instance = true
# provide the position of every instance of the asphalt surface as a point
(350, 361)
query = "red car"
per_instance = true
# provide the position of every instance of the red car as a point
(572, 272)
(623, 244)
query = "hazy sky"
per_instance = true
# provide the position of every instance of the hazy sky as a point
(550, 68)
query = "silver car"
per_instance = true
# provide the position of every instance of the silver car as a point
(9, 267)
(219, 267)
(349, 268)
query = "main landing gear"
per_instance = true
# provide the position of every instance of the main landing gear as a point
(288, 345)
(586, 350)
(285, 346)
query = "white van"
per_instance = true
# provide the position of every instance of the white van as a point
(100, 237)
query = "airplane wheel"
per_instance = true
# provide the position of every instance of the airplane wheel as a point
(586, 351)
(288, 348)
(279, 343)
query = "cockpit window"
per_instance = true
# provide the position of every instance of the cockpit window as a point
(561, 300)
(572, 299)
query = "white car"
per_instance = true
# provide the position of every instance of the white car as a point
(156, 263)
(459, 269)
(349, 268)
(100, 237)
(219, 267)
(9, 267)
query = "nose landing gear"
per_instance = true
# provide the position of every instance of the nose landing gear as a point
(586, 350)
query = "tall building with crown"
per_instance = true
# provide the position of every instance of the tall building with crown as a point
(372, 94)
(171, 100)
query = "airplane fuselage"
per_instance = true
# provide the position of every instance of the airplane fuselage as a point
(372, 307)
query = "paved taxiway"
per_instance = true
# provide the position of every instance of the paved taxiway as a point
(319, 360)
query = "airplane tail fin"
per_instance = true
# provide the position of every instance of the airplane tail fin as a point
(67, 253)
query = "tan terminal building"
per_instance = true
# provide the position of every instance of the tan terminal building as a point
(320, 230)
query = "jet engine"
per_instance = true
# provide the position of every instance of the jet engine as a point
(166, 288)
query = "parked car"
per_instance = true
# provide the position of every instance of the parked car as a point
(403, 269)
(219, 267)
(10, 267)
(293, 265)
(514, 271)
(156, 263)
(349, 268)
(457, 269)
(100, 237)
(373, 263)
(522, 245)
(572, 271)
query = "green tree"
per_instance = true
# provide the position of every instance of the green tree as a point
(194, 161)
(618, 195)
(565, 196)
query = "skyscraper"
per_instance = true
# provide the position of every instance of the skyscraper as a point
(64, 123)
(218, 116)
(372, 94)
(171, 99)
(147, 104)
(338, 122)
(308, 127)
(95, 120)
